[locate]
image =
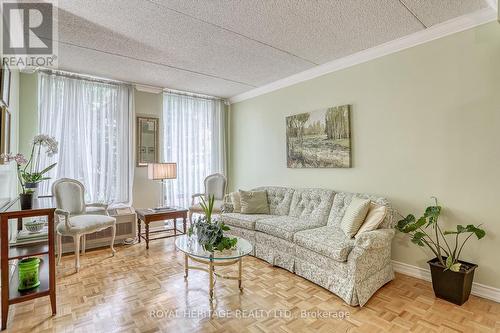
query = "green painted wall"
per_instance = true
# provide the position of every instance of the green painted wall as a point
(146, 192)
(425, 121)
(28, 106)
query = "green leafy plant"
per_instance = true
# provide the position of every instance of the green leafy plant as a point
(210, 232)
(437, 240)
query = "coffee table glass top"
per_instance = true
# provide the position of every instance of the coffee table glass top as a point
(190, 246)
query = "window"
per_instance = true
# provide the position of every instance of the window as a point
(194, 138)
(92, 121)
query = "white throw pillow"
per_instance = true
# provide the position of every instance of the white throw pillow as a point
(235, 200)
(376, 214)
(354, 216)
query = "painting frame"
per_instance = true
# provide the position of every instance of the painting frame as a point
(320, 138)
(5, 131)
(5, 79)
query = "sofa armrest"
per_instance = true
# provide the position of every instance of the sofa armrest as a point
(227, 205)
(375, 239)
(371, 252)
(369, 263)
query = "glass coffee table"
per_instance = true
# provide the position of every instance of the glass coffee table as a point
(194, 251)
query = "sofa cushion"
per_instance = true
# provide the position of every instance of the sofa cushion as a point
(245, 221)
(327, 241)
(342, 200)
(354, 216)
(322, 262)
(312, 203)
(376, 214)
(279, 199)
(284, 226)
(254, 202)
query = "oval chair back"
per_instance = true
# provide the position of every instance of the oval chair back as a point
(215, 185)
(69, 195)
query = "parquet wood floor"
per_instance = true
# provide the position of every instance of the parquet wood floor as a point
(144, 291)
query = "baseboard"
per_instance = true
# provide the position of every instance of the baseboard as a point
(478, 289)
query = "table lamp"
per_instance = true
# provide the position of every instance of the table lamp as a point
(161, 172)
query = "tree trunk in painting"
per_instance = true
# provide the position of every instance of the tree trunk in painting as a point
(337, 123)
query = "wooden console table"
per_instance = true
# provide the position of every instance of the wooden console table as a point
(44, 249)
(150, 215)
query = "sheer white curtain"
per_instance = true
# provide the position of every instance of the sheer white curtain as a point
(194, 138)
(93, 123)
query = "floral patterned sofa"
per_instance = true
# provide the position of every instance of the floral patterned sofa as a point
(302, 234)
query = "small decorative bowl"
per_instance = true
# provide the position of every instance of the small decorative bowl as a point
(34, 226)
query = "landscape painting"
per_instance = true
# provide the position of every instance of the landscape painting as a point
(319, 139)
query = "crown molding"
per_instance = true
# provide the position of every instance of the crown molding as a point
(478, 289)
(434, 32)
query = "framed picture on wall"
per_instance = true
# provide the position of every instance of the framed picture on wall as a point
(5, 128)
(319, 139)
(5, 84)
(147, 140)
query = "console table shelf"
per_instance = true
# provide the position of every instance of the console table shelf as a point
(44, 249)
(28, 250)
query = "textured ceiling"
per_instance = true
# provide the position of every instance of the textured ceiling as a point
(226, 47)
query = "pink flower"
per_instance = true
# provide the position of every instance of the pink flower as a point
(18, 158)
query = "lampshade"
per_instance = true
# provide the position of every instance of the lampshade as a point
(160, 171)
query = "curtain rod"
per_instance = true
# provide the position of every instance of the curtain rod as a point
(93, 78)
(191, 94)
(86, 77)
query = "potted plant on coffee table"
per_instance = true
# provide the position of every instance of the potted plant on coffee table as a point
(451, 277)
(210, 231)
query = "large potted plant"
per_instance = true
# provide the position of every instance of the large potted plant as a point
(451, 277)
(210, 231)
(28, 170)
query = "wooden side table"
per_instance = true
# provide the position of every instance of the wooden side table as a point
(150, 215)
(45, 250)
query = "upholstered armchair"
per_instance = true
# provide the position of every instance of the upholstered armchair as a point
(76, 219)
(214, 185)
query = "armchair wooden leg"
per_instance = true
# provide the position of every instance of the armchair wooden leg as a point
(113, 231)
(77, 251)
(84, 243)
(59, 248)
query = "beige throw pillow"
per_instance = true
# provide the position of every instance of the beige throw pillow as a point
(235, 200)
(376, 214)
(254, 202)
(354, 216)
